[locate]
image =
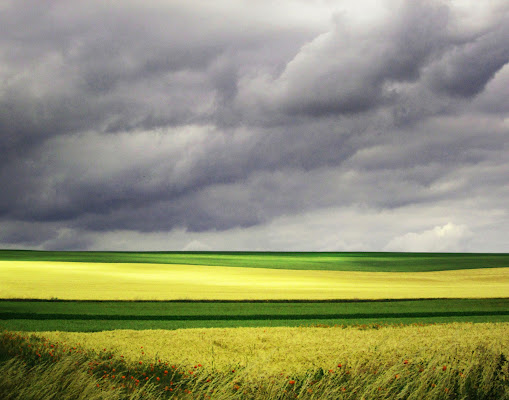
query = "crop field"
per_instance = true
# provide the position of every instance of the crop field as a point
(79, 325)
(449, 361)
(114, 281)
(86, 316)
(321, 261)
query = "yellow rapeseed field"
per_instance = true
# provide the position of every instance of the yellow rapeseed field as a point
(117, 281)
(269, 351)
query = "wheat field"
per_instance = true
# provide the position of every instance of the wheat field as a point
(126, 281)
(296, 350)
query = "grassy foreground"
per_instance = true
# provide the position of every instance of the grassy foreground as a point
(111, 281)
(90, 316)
(323, 261)
(452, 361)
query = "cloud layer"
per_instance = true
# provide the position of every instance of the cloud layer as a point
(207, 125)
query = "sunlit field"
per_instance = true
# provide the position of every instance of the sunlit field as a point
(289, 326)
(294, 350)
(324, 261)
(114, 281)
(412, 362)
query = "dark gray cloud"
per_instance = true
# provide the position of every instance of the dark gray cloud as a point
(188, 117)
(465, 71)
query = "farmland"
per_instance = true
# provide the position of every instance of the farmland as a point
(254, 325)
(412, 362)
(321, 261)
(115, 281)
(87, 316)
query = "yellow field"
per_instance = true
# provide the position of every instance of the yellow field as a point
(110, 281)
(296, 350)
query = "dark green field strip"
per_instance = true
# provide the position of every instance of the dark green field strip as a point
(242, 311)
(334, 261)
(273, 309)
(34, 325)
(220, 317)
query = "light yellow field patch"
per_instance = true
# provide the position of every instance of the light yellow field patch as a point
(116, 281)
(289, 350)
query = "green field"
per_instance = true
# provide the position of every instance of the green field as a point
(325, 261)
(430, 326)
(97, 316)
(97, 275)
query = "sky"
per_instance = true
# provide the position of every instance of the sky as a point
(296, 125)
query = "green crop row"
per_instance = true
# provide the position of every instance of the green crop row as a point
(333, 261)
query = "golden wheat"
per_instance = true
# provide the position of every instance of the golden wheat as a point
(295, 350)
(116, 281)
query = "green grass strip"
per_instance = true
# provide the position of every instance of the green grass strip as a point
(96, 316)
(330, 261)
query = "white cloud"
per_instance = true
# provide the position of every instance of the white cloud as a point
(446, 238)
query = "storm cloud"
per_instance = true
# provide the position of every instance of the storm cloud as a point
(305, 125)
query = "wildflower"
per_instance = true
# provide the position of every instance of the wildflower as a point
(158, 378)
(292, 382)
(405, 362)
(339, 365)
(140, 363)
(444, 368)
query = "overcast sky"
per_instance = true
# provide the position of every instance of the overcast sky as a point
(327, 125)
